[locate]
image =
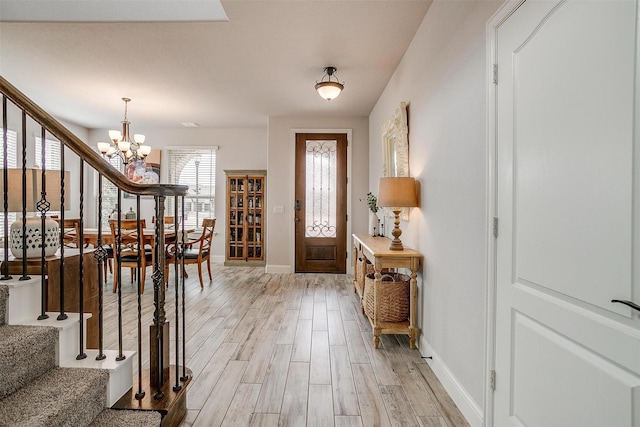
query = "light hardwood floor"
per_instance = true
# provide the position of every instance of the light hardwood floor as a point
(288, 350)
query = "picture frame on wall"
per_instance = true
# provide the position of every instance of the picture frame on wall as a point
(145, 171)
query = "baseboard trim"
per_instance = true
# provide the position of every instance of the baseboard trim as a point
(471, 410)
(278, 269)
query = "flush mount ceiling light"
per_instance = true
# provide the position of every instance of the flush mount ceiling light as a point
(329, 89)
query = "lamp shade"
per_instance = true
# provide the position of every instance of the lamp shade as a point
(33, 189)
(329, 90)
(397, 192)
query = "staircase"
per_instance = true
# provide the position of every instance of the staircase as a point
(44, 378)
(38, 387)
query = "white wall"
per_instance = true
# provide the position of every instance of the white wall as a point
(443, 79)
(237, 149)
(280, 180)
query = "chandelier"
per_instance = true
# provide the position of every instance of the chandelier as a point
(123, 146)
(329, 89)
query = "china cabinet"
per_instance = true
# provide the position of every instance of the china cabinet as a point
(245, 200)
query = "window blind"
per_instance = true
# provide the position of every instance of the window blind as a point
(195, 167)
(109, 193)
(12, 162)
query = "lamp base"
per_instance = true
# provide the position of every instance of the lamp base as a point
(34, 237)
(396, 245)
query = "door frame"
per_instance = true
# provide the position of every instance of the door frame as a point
(501, 15)
(292, 189)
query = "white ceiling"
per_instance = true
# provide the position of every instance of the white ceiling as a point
(263, 62)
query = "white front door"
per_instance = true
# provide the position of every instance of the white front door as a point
(568, 203)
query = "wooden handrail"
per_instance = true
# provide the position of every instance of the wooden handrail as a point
(75, 144)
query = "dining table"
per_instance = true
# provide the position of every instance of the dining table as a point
(90, 235)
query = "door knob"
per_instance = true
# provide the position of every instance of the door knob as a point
(627, 303)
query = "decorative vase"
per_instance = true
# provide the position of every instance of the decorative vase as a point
(35, 237)
(373, 223)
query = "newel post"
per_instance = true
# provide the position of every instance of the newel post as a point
(159, 330)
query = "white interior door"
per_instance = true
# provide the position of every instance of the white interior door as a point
(568, 202)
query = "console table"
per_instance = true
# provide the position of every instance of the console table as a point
(376, 250)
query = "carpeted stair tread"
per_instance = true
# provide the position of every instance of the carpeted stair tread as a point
(60, 397)
(26, 352)
(124, 418)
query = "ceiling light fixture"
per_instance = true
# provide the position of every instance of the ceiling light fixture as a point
(329, 89)
(123, 146)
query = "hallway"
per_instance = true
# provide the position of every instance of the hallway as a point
(289, 350)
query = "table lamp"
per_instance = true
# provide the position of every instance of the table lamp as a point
(397, 193)
(34, 223)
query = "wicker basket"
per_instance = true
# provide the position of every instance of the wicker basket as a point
(394, 297)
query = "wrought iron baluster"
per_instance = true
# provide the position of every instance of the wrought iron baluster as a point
(5, 184)
(24, 197)
(100, 255)
(176, 255)
(43, 208)
(121, 355)
(140, 393)
(80, 239)
(184, 376)
(62, 315)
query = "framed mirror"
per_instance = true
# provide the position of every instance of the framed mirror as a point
(395, 150)
(395, 144)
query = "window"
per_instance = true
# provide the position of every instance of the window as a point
(109, 193)
(12, 162)
(195, 167)
(52, 154)
(52, 159)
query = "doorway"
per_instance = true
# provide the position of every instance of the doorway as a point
(321, 203)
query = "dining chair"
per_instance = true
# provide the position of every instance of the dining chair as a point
(168, 220)
(132, 248)
(196, 251)
(70, 231)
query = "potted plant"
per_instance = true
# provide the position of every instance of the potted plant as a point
(372, 203)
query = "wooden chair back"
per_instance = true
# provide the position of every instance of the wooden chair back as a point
(70, 230)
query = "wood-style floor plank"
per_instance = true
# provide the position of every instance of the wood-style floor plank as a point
(215, 408)
(294, 402)
(320, 407)
(241, 407)
(320, 359)
(372, 407)
(348, 421)
(286, 349)
(345, 397)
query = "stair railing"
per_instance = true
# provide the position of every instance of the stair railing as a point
(32, 115)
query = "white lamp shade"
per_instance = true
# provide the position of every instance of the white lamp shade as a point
(124, 145)
(139, 138)
(115, 135)
(103, 147)
(144, 150)
(111, 151)
(329, 90)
